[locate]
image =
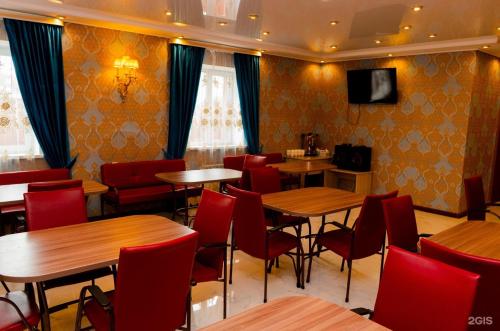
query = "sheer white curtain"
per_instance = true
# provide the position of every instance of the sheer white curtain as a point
(216, 129)
(17, 140)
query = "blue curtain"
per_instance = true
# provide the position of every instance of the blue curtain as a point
(37, 55)
(185, 72)
(248, 79)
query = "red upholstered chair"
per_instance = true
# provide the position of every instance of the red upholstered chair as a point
(18, 312)
(401, 223)
(251, 235)
(212, 222)
(49, 209)
(152, 289)
(267, 180)
(419, 293)
(235, 163)
(486, 304)
(367, 237)
(251, 161)
(474, 196)
(287, 180)
(56, 185)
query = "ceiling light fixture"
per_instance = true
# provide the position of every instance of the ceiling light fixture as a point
(266, 33)
(61, 18)
(333, 46)
(322, 61)
(378, 41)
(180, 24)
(258, 39)
(389, 55)
(432, 35)
(498, 28)
(222, 23)
(334, 22)
(253, 16)
(56, 1)
(418, 8)
(168, 13)
(486, 46)
(180, 37)
(407, 27)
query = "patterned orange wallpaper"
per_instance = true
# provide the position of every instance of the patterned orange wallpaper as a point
(101, 127)
(418, 143)
(483, 122)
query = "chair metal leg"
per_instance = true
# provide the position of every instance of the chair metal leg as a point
(188, 311)
(5, 286)
(382, 254)
(265, 280)
(224, 300)
(342, 265)
(232, 258)
(349, 265)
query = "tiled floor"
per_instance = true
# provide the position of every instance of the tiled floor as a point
(327, 281)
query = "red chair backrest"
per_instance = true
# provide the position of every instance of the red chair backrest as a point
(234, 162)
(474, 197)
(28, 176)
(212, 222)
(401, 223)
(487, 302)
(51, 186)
(249, 222)
(273, 157)
(153, 284)
(251, 161)
(265, 180)
(369, 230)
(51, 209)
(419, 293)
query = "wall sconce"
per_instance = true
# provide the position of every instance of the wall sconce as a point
(125, 74)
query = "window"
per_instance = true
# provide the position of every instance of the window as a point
(16, 135)
(217, 116)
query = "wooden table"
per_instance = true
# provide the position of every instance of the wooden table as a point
(38, 256)
(296, 313)
(481, 238)
(302, 168)
(14, 193)
(196, 177)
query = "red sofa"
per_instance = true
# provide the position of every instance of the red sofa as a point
(132, 183)
(29, 176)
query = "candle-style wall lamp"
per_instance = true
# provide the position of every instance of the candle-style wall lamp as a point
(125, 74)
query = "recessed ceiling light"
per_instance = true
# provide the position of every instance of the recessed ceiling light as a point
(389, 55)
(253, 16)
(258, 39)
(204, 13)
(322, 61)
(61, 18)
(432, 35)
(180, 37)
(168, 13)
(56, 1)
(180, 23)
(418, 8)
(266, 33)
(378, 41)
(222, 23)
(407, 27)
(333, 46)
(486, 46)
(334, 22)
(498, 28)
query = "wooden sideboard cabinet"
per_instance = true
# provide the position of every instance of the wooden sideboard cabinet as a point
(354, 181)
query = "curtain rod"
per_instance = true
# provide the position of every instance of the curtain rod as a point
(214, 46)
(27, 16)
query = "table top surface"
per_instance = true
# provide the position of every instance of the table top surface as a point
(46, 254)
(201, 176)
(310, 158)
(312, 201)
(295, 167)
(14, 193)
(296, 313)
(480, 238)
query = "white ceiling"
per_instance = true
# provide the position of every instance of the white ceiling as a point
(298, 28)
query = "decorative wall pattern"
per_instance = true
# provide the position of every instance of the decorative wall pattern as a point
(101, 127)
(483, 122)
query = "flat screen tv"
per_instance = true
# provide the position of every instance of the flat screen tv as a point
(372, 86)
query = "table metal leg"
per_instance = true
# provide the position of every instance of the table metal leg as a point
(186, 206)
(44, 308)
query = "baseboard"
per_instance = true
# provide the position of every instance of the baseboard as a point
(441, 212)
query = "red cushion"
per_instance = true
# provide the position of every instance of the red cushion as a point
(97, 316)
(9, 319)
(12, 209)
(281, 243)
(18, 177)
(204, 273)
(338, 241)
(148, 193)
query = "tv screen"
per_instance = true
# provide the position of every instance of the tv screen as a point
(372, 86)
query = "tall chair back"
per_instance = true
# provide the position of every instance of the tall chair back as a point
(474, 197)
(419, 293)
(50, 209)
(212, 222)
(163, 272)
(234, 162)
(57, 185)
(401, 223)
(265, 180)
(488, 291)
(369, 229)
(251, 161)
(249, 222)
(273, 157)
